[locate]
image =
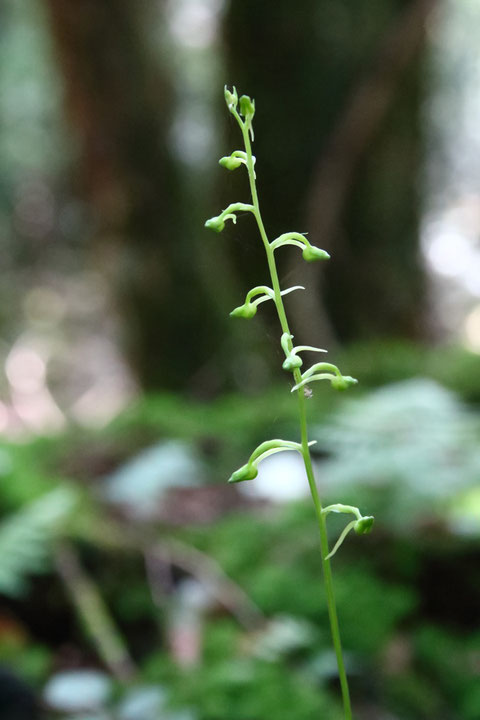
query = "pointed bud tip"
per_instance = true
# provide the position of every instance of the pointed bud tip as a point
(343, 382)
(246, 472)
(311, 254)
(248, 310)
(231, 97)
(215, 223)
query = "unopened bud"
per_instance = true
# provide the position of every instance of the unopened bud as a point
(215, 223)
(230, 163)
(292, 362)
(247, 107)
(311, 253)
(343, 382)
(231, 98)
(364, 525)
(246, 472)
(248, 310)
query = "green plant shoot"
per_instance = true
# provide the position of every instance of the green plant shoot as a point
(243, 110)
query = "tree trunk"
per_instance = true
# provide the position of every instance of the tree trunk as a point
(119, 104)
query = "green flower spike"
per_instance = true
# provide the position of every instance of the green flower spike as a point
(249, 308)
(249, 471)
(362, 525)
(310, 253)
(243, 111)
(292, 360)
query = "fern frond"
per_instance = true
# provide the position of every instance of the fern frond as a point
(26, 538)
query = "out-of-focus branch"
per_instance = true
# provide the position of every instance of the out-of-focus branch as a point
(94, 614)
(363, 114)
(161, 555)
(205, 569)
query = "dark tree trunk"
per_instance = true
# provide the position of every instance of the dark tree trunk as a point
(348, 70)
(119, 105)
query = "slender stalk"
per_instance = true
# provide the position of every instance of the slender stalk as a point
(327, 571)
(94, 614)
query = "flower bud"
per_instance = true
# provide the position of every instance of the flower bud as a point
(215, 223)
(343, 382)
(292, 362)
(364, 525)
(248, 310)
(231, 98)
(230, 163)
(246, 472)
(247, 107)
(311, 253)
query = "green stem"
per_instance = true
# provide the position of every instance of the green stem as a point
(327, 572)
(324, 549)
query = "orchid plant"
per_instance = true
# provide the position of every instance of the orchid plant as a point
(243, 110)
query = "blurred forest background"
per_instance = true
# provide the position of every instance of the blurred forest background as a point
(134, 584)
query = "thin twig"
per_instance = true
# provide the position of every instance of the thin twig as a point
(209, 573)
(94, 613)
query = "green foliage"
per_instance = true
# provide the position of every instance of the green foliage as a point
(452, 662)
(26, 538)
(282, 577)
(273, 556)
(380, 362)
(414, 442)
(381, 605)
(232, 683)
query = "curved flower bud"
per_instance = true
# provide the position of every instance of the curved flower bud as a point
(230, 163)
(233, 161)
(231, 98)
(343, 382)
(249, 471)
(326, 371)
(218, 223)
(247, 109)
(292, 361)
(246, 472)
(215, 223)
(247, 310)
(311, 254)
(364, 525)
